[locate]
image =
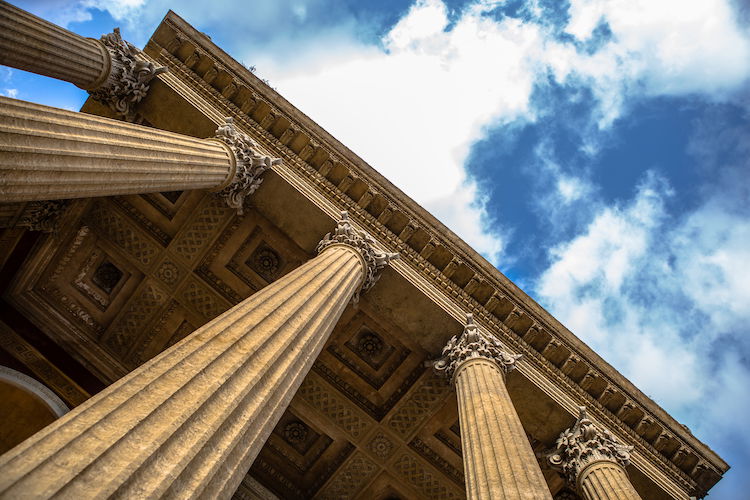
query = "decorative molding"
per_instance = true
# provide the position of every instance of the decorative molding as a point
(129, 76)
(375, 260)
(350, 478)
(42, 215)
(52, 376)
(381, 446)
(338, 410)
(418, 405)
(250, 165)
(423, 479)
(50, 399)
(453, 292)
(375, 411)
(455, 475)
(584, 444)
(473, 344)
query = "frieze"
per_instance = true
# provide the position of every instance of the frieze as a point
(42, 215)
(81, 234)
(75, 309)
(98, 299)
(278, 481)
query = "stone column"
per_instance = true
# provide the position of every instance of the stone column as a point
(593, 461)
(48, 153)
(108, 68)
(190, 422)
(498, 460)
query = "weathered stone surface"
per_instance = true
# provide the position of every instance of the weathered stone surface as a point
(593, 460)
(498, 460)
(109, 68)
(48, 153)
(191, 421)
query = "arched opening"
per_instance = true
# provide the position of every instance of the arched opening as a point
(27, 407)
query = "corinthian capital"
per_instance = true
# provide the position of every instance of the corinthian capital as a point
(129, 77)
(250, 165)
(584, 444)
(471, 344)
(346, 234)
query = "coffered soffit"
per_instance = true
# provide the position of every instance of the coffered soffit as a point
(207, 85)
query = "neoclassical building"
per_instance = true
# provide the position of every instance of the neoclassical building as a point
(205, 294)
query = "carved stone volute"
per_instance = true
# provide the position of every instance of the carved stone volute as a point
(250, 166)
(375, 260)
(129, 77)
(471, 344)
(583, 444)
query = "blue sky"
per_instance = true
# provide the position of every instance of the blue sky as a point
(596, 151)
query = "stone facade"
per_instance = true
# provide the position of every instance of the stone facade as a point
(240, 341)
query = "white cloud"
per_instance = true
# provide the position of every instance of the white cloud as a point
(665, 47)
(65, 12)
(10, 93)
(648, 295)
(414, 106)
(414, 109)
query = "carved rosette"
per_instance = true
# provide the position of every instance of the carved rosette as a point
(584, 444)
(346, 234)
(250, 165)
(473, 343)
(129, 77)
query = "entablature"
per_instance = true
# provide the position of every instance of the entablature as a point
(448, 270)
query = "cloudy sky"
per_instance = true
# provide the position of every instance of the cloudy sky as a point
(596, 151)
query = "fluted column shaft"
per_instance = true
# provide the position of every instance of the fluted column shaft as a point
(498, 460)
(48, 153)
(30, 43)
(605, 481)
(190, 422)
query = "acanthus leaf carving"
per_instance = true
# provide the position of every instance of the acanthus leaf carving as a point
(583, 444)
(346, 234)
(250, 165)
(471, 344)
(129, 76)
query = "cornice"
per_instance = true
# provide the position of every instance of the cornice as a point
(463, 277)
